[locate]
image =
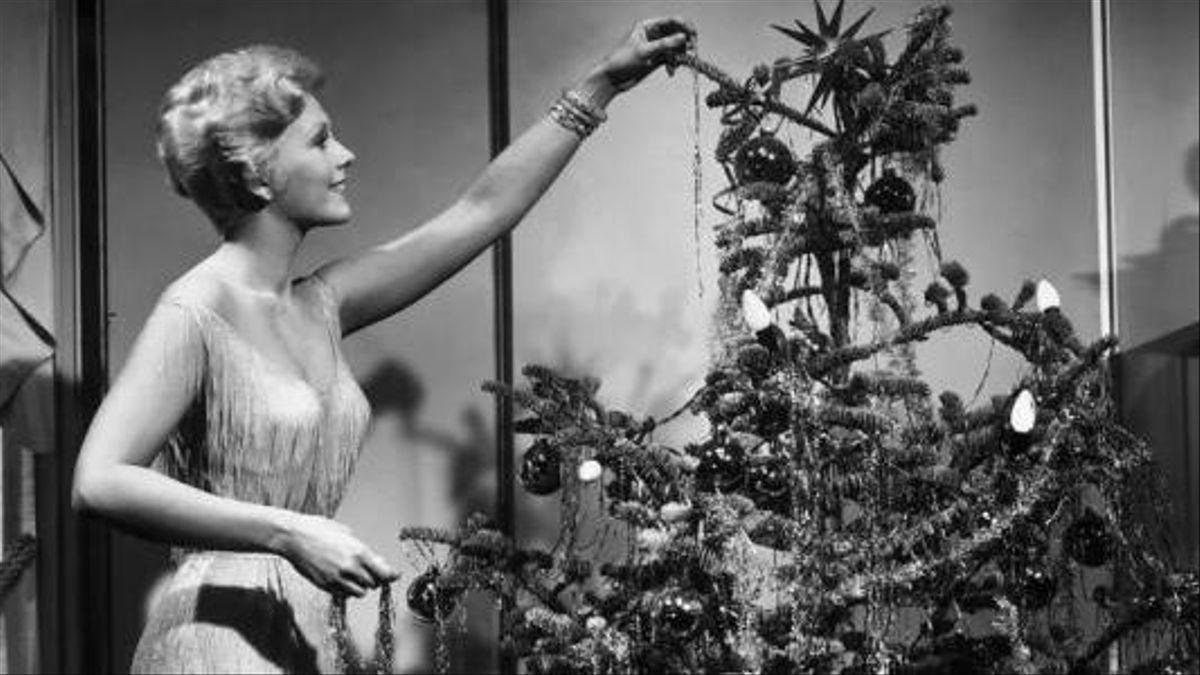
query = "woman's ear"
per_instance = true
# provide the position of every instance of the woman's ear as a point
(255, 182)
(250, 187)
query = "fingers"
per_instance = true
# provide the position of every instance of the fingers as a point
(672, 44)
(665, 38)
(656, 29)
(380, 571)
(345, 585)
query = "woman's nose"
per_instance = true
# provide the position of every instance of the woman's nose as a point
(347, 155)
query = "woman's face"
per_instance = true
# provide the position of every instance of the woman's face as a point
(307, 171)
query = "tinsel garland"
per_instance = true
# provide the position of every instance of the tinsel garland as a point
(830, 492)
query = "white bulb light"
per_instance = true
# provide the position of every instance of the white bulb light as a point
(1047, 296)
(755, 311)
(1024, 413)
(590, 470)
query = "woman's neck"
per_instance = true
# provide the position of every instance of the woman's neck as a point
(258, 253)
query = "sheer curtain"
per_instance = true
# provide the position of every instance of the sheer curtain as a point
(26, 315)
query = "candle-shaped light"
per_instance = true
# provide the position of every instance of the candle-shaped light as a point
(755, 311)
(1023, 415)
(1047, 296)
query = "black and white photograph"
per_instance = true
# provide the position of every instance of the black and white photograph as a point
(599, 337)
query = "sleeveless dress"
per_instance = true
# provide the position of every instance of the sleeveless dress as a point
(256, 432)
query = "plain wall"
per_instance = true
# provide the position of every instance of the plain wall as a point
(1156, 178)
(407, 91)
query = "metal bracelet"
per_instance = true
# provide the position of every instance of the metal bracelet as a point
(572, 120)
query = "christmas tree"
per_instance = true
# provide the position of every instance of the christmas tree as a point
(836, 517)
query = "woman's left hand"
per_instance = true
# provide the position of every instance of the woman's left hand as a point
(649, 45)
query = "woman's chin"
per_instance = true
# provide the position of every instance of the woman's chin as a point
(336, 217)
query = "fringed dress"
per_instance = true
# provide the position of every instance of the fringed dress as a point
(256, 432)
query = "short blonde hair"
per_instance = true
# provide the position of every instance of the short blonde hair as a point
(216, 124)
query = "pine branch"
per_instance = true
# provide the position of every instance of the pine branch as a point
(726, 81)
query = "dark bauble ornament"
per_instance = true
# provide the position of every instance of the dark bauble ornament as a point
(722, 467)
(1087, 541)
(541, 468)
(774, 414)
(891, 194)
(769, 480)
(764, 159)
(425, 600)
(679, 613)
(1034, 588)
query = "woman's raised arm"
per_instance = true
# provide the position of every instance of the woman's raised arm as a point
(389, 277)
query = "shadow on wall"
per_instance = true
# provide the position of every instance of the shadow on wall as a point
(394, 388)
(1161, 288)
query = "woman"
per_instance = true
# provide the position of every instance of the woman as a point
(238, 377)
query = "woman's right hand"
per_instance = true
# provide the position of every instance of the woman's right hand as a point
(328, 554)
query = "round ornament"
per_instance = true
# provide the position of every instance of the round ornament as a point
(891, 194)
(764, 159)
(774, 414)
(722, 467)
(679, 613)
(425, 600)
(769, 481)
(1087, 540)
(1035, 588)
(541, 467)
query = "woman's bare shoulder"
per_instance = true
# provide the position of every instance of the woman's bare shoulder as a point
(198, 286)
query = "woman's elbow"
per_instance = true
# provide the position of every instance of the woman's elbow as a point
(87, 491)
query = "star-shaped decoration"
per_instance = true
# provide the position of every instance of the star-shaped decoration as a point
(831, 52)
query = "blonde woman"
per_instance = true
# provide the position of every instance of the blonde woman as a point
(237, 379)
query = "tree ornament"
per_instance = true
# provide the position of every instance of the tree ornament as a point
(891, 194)
(722, 467)
(764, 159)
(829, 51)
(679, 613)
(425, 600)
(1087, 541)
(769, 481)
(541, 467)
(1047, 297)
(774, 414)
(1033, 587)
(590, 471)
